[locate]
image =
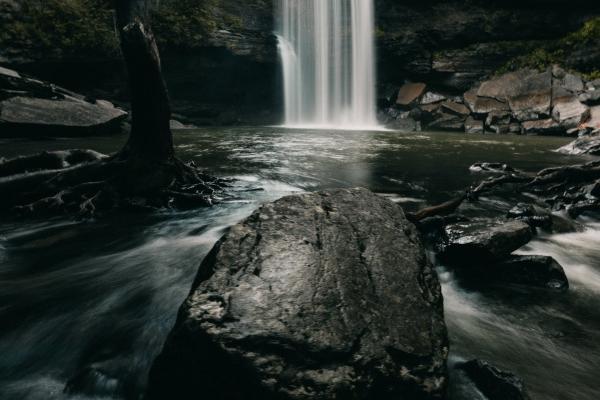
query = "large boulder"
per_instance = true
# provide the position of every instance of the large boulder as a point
(409, 93)
(528, 92)
(570, 113)
(29, 107)
(315, 296)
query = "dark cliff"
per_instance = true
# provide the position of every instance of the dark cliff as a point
(220, 56)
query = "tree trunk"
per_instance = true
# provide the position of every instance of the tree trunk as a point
(150, 140)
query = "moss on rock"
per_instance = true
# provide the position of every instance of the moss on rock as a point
(569, 51)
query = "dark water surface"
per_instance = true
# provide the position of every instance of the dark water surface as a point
(104, 294)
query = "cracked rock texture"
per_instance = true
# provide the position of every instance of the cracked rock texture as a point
(315, 296)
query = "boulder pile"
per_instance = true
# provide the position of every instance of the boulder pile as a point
(551, 102)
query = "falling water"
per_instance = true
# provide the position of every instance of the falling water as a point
(328, 56)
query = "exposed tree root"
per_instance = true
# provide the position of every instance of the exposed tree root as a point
(565, 187)
(104, 184)
(48, 160)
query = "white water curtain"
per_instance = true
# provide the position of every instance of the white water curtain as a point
(328, 57)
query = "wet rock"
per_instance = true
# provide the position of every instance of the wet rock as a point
(570, 113)
(535, 216)
(473, 126)
(406, 124)
(593, 85)
(95, 382)
(29, 107)
(590, 98)
(593, 122)
(485, 105)
(567, 81)
(538, 271)
(494, 383)
(495, 168)
(515, 128)
(583, 145)
(498, 121)
(542, 127)
(528, 92)
(470, 97)
(455, 108)
(323, 295)
(409, 93)
(431, 97)
(474, 243)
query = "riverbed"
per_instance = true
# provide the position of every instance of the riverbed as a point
(104, 294)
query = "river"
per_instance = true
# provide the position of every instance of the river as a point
(104, 294)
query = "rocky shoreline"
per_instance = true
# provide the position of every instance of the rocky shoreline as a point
(552, 102)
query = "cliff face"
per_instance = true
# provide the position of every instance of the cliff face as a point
(220, 56)
(454, 43)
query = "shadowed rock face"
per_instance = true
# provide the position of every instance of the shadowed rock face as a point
(315, 296)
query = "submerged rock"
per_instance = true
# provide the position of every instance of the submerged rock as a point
(316, 296)
(583, 145)
(483, 242)
(494, 383)
(538, 271)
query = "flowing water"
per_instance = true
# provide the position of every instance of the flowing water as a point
(104, 294)
(328, 57)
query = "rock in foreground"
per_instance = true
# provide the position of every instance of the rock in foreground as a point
(315, 296)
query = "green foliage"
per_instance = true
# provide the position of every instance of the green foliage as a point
(82, 28)
(557, 52)
(592, 75)
(61, 28)
(184, 23)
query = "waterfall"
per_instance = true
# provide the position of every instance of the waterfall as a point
(328, 58)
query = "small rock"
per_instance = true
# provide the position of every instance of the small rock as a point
(409, 93)
(431, 97)
(593, 85)
(495, 168)
(473, 126)
(590, 98)
(535, 216)
(9, 73)
(446, 121)
(570, 113)
(475, 243)
(538, 271)
(494, 383)
(455, 108)
(515, 127)
(543, 127)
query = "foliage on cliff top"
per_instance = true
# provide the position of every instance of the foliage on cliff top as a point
(76, 28)
(59, 28)
(561, 52)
